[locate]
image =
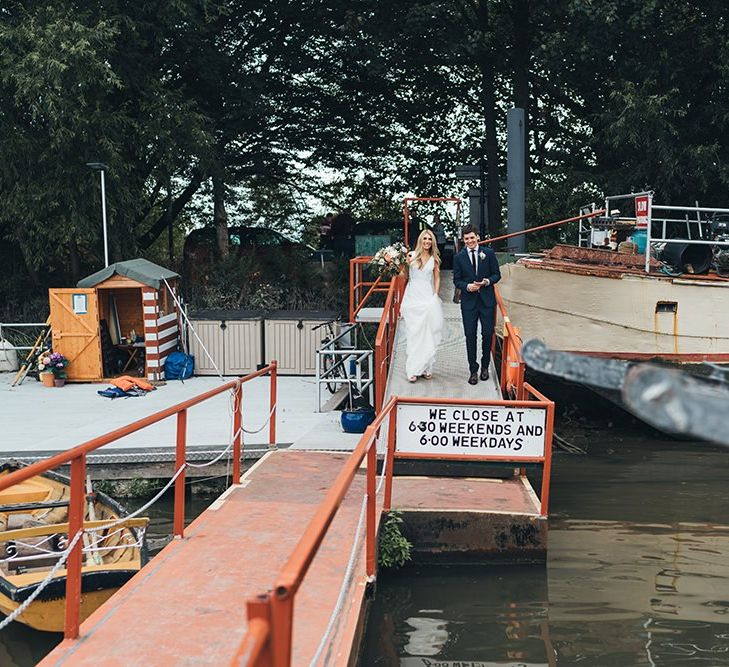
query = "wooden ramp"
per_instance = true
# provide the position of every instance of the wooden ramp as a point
(187, 607)
(450, 375)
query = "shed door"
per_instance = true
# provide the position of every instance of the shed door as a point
(75, 330)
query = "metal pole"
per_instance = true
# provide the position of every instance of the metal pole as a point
(103, 217)
(178, 525)
(515, 176)
(482, 198)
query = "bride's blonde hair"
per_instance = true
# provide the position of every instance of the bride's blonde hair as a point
(418, 252)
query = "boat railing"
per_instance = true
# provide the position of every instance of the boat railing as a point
(76, 457)
(668, 224)
(269, 637)
(385, 338)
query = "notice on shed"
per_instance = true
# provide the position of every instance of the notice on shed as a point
(468, 430)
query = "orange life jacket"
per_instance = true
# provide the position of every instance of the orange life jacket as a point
(127, 382)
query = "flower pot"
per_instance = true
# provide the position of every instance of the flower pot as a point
(356, 421)
(59, 382)
(47, 379)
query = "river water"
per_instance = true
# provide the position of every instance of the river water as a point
(637, 572)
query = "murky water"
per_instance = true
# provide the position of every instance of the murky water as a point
(637, 573)
(21, 646)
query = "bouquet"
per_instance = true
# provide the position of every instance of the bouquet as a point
(390, 260)
(53, 362)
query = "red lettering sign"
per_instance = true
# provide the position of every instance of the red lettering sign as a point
(641, 212)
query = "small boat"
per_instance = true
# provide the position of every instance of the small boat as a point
(33, 536)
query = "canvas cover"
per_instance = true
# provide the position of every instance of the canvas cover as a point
(141, 270)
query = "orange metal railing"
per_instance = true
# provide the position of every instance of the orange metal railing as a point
(357, 285)
(584, 216)
(278, 605)
(268, 641)
(385, 338)
(513, 367)
(77, 458)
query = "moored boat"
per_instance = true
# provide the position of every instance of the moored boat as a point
(33, 536)
(662, 303)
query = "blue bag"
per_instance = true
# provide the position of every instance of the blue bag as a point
(179, 366)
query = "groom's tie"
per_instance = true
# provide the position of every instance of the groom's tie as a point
(473, 261)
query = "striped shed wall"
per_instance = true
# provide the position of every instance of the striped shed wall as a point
(160, 334)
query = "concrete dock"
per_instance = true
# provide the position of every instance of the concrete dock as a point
(39, 421)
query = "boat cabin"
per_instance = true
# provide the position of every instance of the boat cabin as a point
(122, 320)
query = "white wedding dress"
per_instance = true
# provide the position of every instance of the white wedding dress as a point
(422, 318)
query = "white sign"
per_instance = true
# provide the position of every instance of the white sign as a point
(471, 430)
(80, 304)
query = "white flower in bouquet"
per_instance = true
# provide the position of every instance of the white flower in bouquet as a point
(390, 259)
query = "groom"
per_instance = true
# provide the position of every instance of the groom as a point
(475, 272)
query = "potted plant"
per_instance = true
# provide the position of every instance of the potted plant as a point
(55, 364)
(358, 414)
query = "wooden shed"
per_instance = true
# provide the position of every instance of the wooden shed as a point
(122, 320)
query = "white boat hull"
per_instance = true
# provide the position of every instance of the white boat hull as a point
(624, 316)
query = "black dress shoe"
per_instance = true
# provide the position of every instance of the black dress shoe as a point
(473, 379)
(485, 373)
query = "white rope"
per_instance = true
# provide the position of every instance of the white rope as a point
(217, 458)
(182, 312)
(347, 579)
(268, 419)
(61, 561)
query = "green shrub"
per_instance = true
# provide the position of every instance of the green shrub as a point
(394, 549)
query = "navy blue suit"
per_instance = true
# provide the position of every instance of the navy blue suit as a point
(480, 305)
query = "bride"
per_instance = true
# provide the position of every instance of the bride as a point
(421, 310)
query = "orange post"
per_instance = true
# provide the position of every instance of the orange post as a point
(76, 512)
(390, 462)
(547, 468)
(255, 649)
(352, 288)
(180, 455)
(237, 431)
(273, 398)
(282, 626)
(371, 498)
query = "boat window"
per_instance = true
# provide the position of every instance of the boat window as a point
(666, 306)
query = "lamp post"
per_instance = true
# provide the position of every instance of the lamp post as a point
(101, 168)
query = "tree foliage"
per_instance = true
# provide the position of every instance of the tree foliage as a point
(269, 112)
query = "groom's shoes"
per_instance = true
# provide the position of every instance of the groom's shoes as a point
(484, 373)
(474, 378)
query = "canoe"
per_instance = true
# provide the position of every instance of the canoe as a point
(33, 527)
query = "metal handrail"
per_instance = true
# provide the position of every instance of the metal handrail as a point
(385, 338)
(513, 367)
(591, 214)
(76, 457)
(269, 644)
(357, 284)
